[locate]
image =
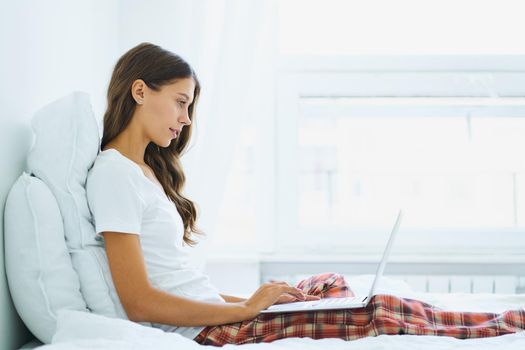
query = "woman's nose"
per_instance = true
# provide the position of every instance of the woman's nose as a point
(186, 119)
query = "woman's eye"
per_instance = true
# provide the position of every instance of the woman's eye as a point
(182, 102)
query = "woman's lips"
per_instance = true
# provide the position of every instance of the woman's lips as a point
(174, 132)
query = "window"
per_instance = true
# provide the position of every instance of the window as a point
(447, 147)
(457, 170)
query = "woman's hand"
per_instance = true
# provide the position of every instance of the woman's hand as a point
(271, 293)
(287, 298)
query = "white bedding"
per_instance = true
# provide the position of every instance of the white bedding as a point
(81, 330)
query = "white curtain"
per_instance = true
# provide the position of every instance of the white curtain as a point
(231, 44)
(235, 58)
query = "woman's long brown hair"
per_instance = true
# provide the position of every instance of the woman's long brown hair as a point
(157, 67)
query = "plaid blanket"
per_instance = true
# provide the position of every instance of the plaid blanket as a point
(384, 314)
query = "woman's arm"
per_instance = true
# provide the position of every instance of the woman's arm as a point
(165, 308)
(232, 299)
(144, 303)
(161, 307)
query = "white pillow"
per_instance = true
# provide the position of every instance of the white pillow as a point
(66, 146)
(39, 271)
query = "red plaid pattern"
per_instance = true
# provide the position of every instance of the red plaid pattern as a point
(385, 314)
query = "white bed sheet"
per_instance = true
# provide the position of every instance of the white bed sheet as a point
(81, 330)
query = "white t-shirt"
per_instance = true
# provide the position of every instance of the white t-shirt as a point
(122, 199)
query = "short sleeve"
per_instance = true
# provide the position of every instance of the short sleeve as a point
(114, 199)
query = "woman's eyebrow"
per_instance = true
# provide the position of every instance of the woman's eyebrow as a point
(182, 93)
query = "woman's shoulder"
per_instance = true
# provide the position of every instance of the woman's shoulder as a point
(111, 173)
(107, 166)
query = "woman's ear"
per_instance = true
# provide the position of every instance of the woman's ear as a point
(137, 91)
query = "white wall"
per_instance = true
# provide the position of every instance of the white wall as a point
(47, 49)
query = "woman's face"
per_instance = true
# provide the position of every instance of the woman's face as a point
(164, 113)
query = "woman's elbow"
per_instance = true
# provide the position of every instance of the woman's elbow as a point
(136, 308)
(136, 313)
(132, 311)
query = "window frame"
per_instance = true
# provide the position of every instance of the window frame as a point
(384, 76)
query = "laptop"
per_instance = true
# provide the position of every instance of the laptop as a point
(346, 302)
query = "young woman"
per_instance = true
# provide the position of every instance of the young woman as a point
(135, 195)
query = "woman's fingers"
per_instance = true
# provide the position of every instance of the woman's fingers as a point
(288, 298)
(298, 293)
(286, 288)
(293, 291)
(282, 288)
(285, 298)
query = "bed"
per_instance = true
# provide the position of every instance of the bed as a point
(77, 330)
(58, 274)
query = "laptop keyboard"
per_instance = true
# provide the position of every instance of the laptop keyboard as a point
(334, 301)
(299, 305)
